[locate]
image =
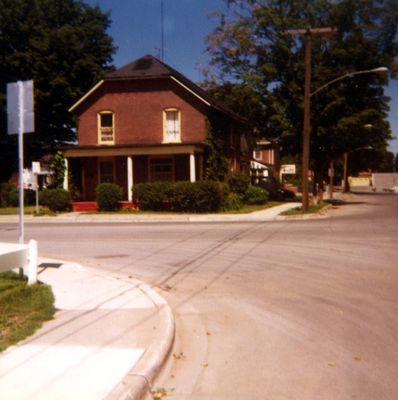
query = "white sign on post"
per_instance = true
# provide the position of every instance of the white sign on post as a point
(20, 110)
(20, 119)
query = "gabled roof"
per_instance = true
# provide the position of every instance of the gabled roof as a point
(149, 67)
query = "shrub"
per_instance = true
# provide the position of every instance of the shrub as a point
(183, 196)
(56, 199)
(153, 196)
(238, 182)
(108, 196)
(8, 195)
(201, 196)
(232, 202)
(255, 195)
(208, 196)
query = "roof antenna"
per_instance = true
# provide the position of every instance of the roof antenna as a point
(161, 32)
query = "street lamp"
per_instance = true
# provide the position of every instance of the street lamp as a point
(306, 123)
(378, 70)
(345, 161)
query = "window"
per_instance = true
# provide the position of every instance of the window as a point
(106, 171)
(171, 126)
(106, 127)
(161, 169)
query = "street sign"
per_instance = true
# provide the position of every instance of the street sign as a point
(20, 119)
(20, 109)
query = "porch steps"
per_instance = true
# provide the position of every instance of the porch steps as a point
(84, 206)
(91, 206)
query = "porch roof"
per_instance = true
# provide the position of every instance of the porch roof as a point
(133, 150)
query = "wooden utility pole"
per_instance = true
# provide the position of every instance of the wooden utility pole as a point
(307, 33)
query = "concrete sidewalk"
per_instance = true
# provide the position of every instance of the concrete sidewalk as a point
(268, 214)
(108, 339)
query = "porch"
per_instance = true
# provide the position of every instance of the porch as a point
(87, 167)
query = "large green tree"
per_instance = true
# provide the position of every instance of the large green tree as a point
(63, 46)
(251, 47)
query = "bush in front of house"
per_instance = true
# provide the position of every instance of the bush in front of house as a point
(8, 195)
(238, 182)
(232, 202)
(154, 196)
(201, 196)
(182, 197)
(108, 196)
(56, 199)
(255, 195)
(208, 196)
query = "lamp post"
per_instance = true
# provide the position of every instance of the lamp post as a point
(307, 119)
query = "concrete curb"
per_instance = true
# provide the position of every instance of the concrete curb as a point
(138, 381)
(260, 216)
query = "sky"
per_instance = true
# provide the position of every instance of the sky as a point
(136, 32)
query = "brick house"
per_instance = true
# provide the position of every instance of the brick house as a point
(147, 122)
(266, 160)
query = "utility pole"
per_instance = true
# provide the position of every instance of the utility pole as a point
(307, 33)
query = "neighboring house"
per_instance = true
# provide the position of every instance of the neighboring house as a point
(266, 160)
(147, 122)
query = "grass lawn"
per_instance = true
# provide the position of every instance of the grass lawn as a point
(244, 210)
(312, 209)
(27, 210)
(23, 308)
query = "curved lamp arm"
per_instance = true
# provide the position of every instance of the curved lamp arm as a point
(349, 74)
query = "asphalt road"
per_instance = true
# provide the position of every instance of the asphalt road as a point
(297, 309)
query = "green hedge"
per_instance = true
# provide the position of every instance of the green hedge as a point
(201, 196)
(108, 196)
(56, 199)
(255, 195)
(238, 182)
(8, 195)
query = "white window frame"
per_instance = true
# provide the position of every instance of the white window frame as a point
(101, 129)
(175, 136)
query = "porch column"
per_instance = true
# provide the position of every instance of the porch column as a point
(192, 171)
(66, 175)
(130, 181)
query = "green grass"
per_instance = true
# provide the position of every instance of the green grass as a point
(244, 210)
(28, 210)
(312, 209)
(247, 209)
(23, 308)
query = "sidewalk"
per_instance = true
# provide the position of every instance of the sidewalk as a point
(109, 337)
(262, 215)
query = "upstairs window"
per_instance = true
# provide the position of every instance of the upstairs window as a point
(171, 125)
(106, 127)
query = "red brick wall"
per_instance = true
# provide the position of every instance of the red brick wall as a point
(138, 108)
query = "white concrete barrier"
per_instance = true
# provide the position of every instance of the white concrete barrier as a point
(24, 256)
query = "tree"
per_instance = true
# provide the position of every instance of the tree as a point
(250, 47)
(63, 46)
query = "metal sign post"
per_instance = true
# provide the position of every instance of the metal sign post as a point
(20, 118)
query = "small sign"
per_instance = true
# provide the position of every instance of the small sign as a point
(29, 180)
(36, 167)
(288, 169)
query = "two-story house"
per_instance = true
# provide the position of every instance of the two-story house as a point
(147, 122)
